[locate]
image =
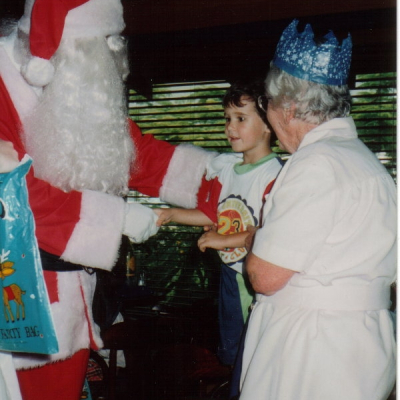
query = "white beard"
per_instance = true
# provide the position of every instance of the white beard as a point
(78, 134)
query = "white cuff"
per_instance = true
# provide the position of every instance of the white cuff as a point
(184, 175)
(215, 165)
(97, 236)
(9, 386)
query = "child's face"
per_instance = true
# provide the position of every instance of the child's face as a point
(245, 130)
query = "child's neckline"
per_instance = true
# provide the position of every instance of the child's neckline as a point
(241, 168)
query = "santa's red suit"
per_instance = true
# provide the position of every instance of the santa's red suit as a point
(83, 228)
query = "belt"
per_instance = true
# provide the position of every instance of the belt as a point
(374, 296)
(51, 262)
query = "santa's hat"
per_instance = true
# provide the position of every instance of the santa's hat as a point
(47, 22)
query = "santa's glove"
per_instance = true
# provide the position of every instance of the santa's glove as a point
(8, 157)
(140, 222)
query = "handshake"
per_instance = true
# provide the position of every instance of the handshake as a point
(140, 222)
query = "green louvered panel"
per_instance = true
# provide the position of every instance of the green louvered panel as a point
(180, 113)
(374, 112)
(183, 113)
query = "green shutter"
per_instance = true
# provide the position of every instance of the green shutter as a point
(183, 113)
(180, 113)
(374, 112)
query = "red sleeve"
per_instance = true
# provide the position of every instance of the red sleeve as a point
(152, 161)
(208, 198)
(55, 212)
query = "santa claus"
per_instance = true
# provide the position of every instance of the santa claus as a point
(62, 99)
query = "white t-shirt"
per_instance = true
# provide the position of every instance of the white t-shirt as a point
(240, 191)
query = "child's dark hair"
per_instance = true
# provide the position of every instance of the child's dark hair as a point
(252, 90)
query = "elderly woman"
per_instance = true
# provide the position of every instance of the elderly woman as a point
(325, 257)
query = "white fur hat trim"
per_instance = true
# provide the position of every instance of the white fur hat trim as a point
(38, 71)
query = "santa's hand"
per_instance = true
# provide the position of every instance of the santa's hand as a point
(140, 222)
(8, 157)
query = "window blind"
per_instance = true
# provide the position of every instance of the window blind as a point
(189, 112)
(374, 113)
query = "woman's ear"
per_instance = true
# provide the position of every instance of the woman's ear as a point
(289, 113)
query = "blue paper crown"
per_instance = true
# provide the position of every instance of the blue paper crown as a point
(299, 55)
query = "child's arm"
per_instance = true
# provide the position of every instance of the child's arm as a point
(184, 216)
(214, 240)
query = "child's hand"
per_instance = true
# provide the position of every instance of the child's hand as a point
(211, 239)
(164, 215)
(213, 227)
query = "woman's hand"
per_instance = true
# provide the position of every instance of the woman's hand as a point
(250, 237)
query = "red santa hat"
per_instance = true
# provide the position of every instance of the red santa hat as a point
(47, 22)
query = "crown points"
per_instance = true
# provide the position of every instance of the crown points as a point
(326, 63)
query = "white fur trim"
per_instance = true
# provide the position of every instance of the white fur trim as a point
(72, 316)
(88, 283)
(38, 71)
(97, 236)
(22, 95)
(184, 175)
(9, 386)
(71, 324)
(221, 161)
(94, 18)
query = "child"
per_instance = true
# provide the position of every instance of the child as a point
(233, 203)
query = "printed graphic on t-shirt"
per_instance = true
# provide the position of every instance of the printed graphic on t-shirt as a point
(234, 215)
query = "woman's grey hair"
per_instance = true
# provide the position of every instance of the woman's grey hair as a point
(314, 103)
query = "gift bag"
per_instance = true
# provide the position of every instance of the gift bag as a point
(26, 323)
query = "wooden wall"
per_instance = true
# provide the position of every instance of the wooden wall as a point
(191, 40)
(175, 40)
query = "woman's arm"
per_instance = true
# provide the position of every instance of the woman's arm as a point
(266, 278)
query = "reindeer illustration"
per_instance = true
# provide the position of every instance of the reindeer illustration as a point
(6, 267)
(12, 292)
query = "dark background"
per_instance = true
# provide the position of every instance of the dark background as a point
(191, 40)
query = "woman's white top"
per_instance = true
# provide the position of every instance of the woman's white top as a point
(331, 217)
